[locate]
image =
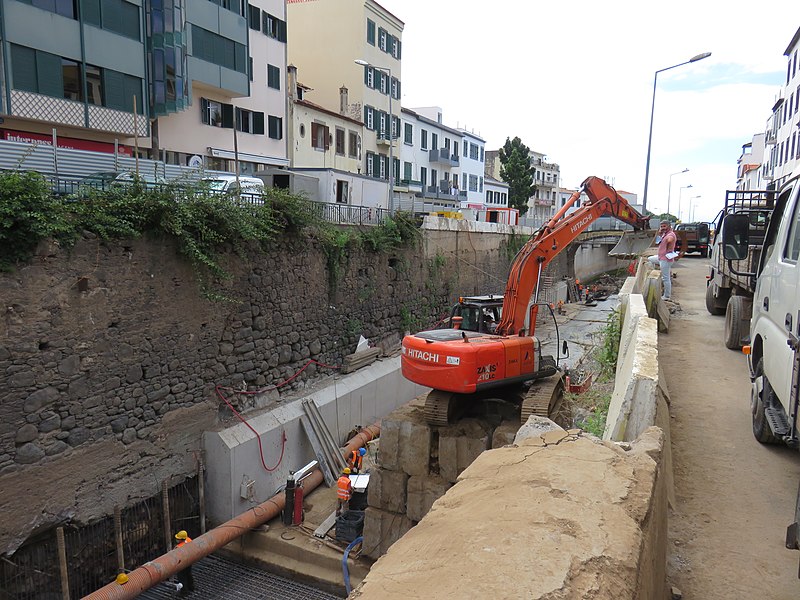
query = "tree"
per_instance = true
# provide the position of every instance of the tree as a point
(517, 172)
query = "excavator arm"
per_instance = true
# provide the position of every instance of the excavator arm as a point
(551, 239)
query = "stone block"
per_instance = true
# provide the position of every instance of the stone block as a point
(387, 490)
(40, 399)
(459, 445)
(382, 529)
(422, 492)
(504, 434)
(535, 427)
(404, 438)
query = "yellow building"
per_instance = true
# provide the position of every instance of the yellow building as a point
(326, 38)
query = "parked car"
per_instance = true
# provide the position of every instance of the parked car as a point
(104, 180)
(229, 183)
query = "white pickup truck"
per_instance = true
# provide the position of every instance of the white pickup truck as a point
(774, 350)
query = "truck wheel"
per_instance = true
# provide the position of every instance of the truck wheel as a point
(761, 391)
(733, 323)
(714, 305)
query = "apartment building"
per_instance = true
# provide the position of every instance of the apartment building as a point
(82, 67)
(782, 152)
(350, 31)
(546, 182)
(429, 154)
(473, 157)
(748, 171)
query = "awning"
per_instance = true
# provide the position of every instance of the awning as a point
(256, 158)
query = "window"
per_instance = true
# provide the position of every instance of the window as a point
(792, 250)
(273, 27)
(434, 176)
(482, 155)
(120, 90)
(216, 113)
(383, 129)
(466, 148)
(408, 137)
(407, 171)
(383, 160)
(423, 175)
(254, 17)
(395, 88)
(275, 128)
(463, 181)
(423, 141)
(218, 50)
(434, 141)
(473, 151)
(396, 48)
(118, 16)
(384, 83)
(369, 77)
(473, 183)
(340, 141)
(71, 75)
(382, 35)
(94, 85)
(369, 118)
(274, 77)
(65, 8)
(370, 32)
(320, 136)
(250, 67)
(480, 185)
(352, 145)
(370, 164)
(249, 121)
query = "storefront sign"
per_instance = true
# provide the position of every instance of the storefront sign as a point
(63, 142)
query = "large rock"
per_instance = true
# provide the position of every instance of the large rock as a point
(387, 490)
(459, 445)
(421, 493)
(382, 529)
(406, 440)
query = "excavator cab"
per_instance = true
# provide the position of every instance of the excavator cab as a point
(480, 314)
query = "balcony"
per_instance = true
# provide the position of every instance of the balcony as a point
(548, 183)
(382, 138)
(443, 156)
(410, 185)
(771, 137)
(441, 192)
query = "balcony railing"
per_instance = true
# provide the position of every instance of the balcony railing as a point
(433, 191)
(443, 156)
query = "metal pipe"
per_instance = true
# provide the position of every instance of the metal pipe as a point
(167, 565)
(201, 493)
(62, 563)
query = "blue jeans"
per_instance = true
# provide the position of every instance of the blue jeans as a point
(666, 274)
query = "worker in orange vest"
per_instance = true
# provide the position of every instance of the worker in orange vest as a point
(185, 575)
(355, 460)
(344, 489)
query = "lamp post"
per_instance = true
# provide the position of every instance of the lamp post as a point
(680, 195)
(692, 206)
(388, 71)
(669, 191)
(652, 111)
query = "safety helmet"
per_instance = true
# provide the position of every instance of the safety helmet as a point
(362, 451)
(181, 535)
(121, 579)
(346, 470)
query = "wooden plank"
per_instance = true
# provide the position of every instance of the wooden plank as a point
(326, 526)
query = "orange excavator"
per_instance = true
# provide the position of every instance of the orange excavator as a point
(464, 366)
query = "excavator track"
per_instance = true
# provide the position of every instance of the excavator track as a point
(439, 407)
(545, 398)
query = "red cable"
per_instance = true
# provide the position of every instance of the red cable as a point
(219, 389)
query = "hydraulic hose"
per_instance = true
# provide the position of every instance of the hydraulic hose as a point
(345, 570)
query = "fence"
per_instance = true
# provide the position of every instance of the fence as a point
(92, 552)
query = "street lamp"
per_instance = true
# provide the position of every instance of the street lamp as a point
(388, 71)
(692, 206)
(669, 192)
(652, 111)
(680, 195)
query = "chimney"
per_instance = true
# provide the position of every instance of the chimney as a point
(343, 104)
(291, 72)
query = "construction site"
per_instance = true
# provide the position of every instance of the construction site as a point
(158, 445)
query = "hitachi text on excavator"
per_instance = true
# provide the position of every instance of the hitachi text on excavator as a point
(471, 362)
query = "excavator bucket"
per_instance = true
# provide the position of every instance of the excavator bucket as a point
(633, 244)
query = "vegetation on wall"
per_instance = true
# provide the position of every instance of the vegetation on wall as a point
(203, 223)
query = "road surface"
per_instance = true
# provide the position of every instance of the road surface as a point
(735, 496)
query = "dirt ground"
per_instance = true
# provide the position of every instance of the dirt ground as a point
(735, 497)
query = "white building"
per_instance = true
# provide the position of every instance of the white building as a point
(473, 150)
(749, 173)
(782, 151)
(546, 182)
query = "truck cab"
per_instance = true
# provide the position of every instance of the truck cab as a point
(696, 236)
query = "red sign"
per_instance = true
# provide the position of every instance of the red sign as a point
(63, 142)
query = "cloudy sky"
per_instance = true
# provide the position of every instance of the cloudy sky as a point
(574, 80)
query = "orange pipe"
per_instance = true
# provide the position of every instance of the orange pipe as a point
(169, 564)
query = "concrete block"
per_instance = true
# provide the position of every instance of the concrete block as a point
(387, 490)
(504, 434)
(535, 427)
(459, 445)
(662, 316)
(422, 493)
(415, 445)
(636, 309)
(393, 433)
(382, 529)
(633, 402)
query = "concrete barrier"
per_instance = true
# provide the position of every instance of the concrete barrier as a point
(236, 479)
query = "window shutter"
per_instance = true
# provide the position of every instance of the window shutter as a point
(227, 116)
(114, 88)
(281, 30)
(204, 111)
(240, 57)
(399, 50)
(23, 68)
(237, 112)
(90, 11)
(327, 133)
(133, 87)
(366, 74)
(49, 76)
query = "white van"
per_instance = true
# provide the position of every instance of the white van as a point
(775, 322)
(228, 184)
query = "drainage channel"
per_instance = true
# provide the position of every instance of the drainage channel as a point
(223, 579)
